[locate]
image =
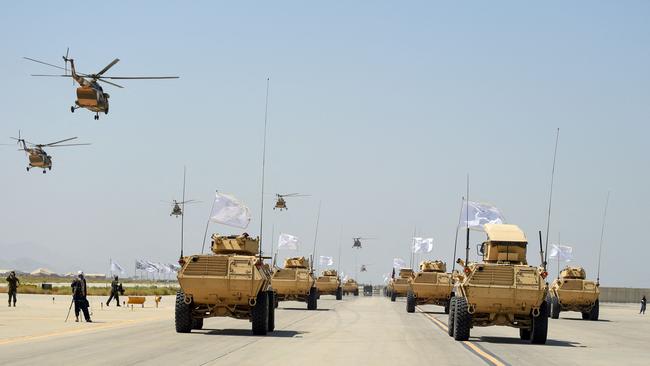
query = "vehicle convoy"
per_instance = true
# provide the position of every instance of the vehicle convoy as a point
(351, 287)
(502, 290)
(571, 291)
(432, 285)
(295, 282)
(399, 286)
(330, 284)
(232, 281)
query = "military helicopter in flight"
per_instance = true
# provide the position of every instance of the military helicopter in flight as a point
(357, 242)
(90, 94)
(38, 158)
(281, 203)
(364, 268)
(176, 208)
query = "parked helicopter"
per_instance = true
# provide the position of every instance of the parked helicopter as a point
(37, 156)
(281, 204)
(90, 94)
(176, 208)
(357, 242)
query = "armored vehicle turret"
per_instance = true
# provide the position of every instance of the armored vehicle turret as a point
(432, 285)
(232, 281)
(295, 282)
(350, 287)
(502, 290)
(330, 284)
(573, 292)
(399, 286)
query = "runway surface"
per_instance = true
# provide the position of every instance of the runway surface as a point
(356, 330)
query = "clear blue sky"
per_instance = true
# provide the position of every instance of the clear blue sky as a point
(379, 109)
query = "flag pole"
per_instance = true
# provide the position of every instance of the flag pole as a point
(602, 234)
(338, 264)
(550, 198)
(460, 217)
(559, 244)
(313, 252)
(266, 114)
(207, 223)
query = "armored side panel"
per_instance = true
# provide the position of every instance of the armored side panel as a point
(431, 287)
(400, 286)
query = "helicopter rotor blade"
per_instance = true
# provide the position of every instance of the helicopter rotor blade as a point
(54, 143)
(49, 75)
(108, 82)
(44, 63)
(139, 77)
(68, 145)
(108, 67)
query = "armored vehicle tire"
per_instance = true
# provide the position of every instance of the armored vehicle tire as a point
(524, 334)
(462, 320)
(555, 308)
(594, 312)
(447, 307)
(197, 323)
(339, 293)
(272, 301)
(585, 315)
(392, 296)
(410, 302)
(356, 292)
(450, 321)
(260, 314)
(539, 329)
(312, 299)
(182, 314)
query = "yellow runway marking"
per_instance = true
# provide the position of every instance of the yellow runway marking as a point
(72, 331)
(469, 345)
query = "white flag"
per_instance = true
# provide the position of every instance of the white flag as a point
(564, 252)
(116, 268)
(229, 211)
(422, 245)
(479, 215)
(325, 260)
(288, 242)
(398, 263)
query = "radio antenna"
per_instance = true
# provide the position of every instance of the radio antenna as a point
(602, 234)
(266, 114)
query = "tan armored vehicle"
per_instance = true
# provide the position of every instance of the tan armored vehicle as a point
(399, 286)
(503, 290)
(295, 282)
(330, 284)
(432, 285)
(573, 292)
(350, 287)
(231, 282)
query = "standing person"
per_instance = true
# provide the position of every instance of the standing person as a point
(79, 293)
(13, 283)
(116, 289)
(643, 303)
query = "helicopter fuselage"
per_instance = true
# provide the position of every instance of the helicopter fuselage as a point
(39, 158)
(91, 96)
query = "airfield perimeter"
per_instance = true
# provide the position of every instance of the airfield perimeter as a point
(358, 330)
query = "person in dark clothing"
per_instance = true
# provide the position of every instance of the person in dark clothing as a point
(13, 283)
(116, 290)
(643, 303)
(79, 292)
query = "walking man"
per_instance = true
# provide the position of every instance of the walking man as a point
(643, 303)
(79, 293)
(116, 289)
(13, 283)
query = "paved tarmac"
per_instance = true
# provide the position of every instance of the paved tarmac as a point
(355, 331)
